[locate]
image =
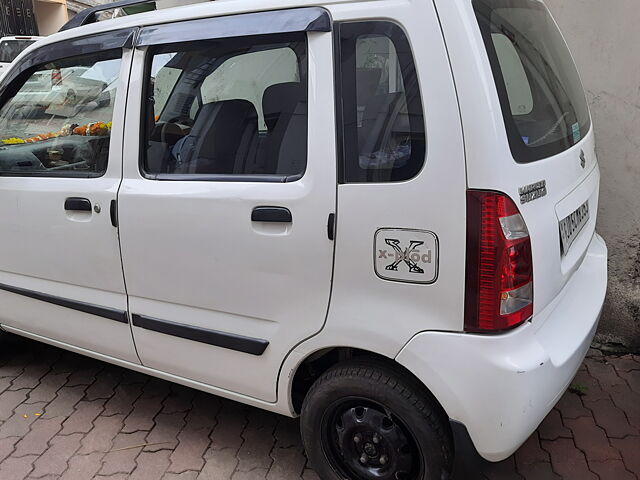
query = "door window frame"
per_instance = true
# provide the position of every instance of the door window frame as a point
(399, 38)
(79, 47)
(247, 25)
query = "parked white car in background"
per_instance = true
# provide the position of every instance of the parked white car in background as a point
(11, 47)
(377, 215)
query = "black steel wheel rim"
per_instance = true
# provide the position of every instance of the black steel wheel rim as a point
(364, 440)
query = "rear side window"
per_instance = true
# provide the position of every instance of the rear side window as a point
(543, 103)
(232, 107)
(380, 120)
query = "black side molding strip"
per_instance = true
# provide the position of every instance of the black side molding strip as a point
(105, 312)
(239, 343)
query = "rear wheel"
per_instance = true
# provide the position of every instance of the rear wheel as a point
(365, 421)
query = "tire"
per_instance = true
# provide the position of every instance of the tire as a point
(364, 420)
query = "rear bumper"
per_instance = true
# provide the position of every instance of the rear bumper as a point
(501, 387)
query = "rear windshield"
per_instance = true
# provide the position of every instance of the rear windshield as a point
(9, 49)
(543, 103)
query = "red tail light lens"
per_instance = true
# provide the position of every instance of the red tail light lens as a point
(499, 278)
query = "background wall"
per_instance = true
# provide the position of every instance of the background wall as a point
(605, 41)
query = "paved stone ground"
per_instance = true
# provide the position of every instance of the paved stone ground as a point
(70, 417)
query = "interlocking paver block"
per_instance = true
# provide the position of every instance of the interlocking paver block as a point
(5, 382)
(151, 465)
(64, 403)
(144, 410)
(531, 452)
(288, 463)
(49, 385)
(164, 435)
(87, 374)
(611, 470)
(603, 372)
(7, 445)
(591, 439)
(219, 464)
(189, 453)
(258, 441)
(83, 466)
(20, 422)
(37, 440)
(191, 475)
(633, 379)
(612, 419)
(566, 460)
(628, 401)
(629, 447)
(30, 377)
(105, 384)
(538, 471)
(122, 400)
(505, 470)
(179, 399)
(552, 426)
(625, 363)
(570, 406)
(122, 457)
(228, 430)
(17, 468)
(101, 436)
(54, 461)
(81, 421)
(9, 400)
(310, 475)
(255, 474)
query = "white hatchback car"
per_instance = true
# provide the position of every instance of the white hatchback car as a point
(377, 215)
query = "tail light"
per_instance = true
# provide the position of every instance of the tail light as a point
(56, 77)
(499, 277)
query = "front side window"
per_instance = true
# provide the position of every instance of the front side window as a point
(58, 122)
(227, 107)
(543, 103)
(381, 122)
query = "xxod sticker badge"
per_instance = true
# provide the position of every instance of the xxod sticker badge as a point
(405, 255)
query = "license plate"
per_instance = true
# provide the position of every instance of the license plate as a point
(572, 225)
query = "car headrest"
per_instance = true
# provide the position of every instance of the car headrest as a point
(280, 98)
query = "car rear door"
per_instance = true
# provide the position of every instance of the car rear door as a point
(60, 268)
(227, 195)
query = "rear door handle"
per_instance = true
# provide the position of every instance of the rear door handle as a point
(77, 204)
(271, 214)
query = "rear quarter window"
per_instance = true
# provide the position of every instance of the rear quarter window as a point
(542, 99)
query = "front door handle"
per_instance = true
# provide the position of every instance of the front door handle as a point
(271, 214)
(77, 204)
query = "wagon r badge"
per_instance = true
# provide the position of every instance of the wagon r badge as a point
(410, 255)
(406, 255)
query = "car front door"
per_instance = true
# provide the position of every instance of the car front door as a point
(61, 275)
(227, 195)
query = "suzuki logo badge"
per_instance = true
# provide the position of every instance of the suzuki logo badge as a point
(583, 159)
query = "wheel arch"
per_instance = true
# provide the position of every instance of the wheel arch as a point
(314, 364)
